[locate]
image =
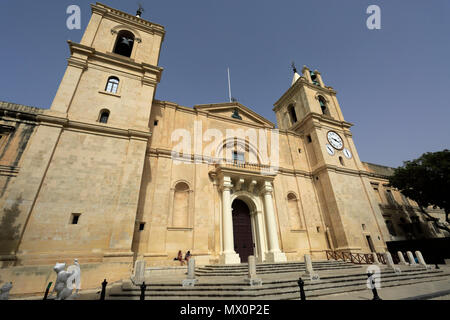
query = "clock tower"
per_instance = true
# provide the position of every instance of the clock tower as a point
(350, 211)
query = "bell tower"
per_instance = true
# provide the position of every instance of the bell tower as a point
(310, 109)
(89, 150)
(113, 72)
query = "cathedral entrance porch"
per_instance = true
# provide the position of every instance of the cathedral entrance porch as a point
(248, 221)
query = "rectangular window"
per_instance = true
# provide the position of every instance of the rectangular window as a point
(238, 157)
(390, 227)
(390, 197)
(75, 218)
(4, 134)
(377, 192)
(141, 226)
(308, 137)
(369, 241)
(155, 123)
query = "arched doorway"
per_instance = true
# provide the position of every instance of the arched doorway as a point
(242, 230)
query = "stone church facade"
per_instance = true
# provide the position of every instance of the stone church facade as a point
(109, 175)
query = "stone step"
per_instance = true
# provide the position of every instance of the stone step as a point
(244, 265)
(291, 292)
(240, 285)
(277, 289)
(212, 273)
(263, 266)
(277, 267)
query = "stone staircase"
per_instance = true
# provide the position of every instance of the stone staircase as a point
(270, 268)
(226, 282)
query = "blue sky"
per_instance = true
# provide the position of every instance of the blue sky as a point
(392, 83)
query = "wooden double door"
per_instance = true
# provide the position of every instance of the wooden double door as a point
(242, 230)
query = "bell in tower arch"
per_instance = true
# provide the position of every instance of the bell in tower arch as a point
(124, 43)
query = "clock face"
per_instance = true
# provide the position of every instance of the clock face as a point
(347, 153)
(330, 150)
(335, 140)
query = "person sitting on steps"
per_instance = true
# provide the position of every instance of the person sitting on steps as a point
(180, 257)
(187, 256)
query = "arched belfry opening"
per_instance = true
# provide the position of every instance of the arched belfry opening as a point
(292, 114)
(242, 230)
(124, 43)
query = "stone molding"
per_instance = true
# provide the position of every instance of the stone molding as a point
(123, 17)
(91, 54)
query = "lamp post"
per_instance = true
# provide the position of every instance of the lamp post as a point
(47, 290)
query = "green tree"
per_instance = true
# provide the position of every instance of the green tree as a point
(426, 180)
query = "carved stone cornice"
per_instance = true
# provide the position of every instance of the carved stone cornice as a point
(91, 127)
(318, 119)
(123, 17)
(81, 56)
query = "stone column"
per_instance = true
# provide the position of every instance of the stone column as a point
(260, 240)
(402, 258)
(274, 254)
(306, 74)
(252, 279)
(319, 78)
(412, 262)
(228, 256)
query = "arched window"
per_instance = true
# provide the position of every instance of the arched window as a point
(124, 43)
(292, 113)
(112, 85)
(323, 106)
(181, 205)
(341, 160)
(104, 116)
(314, 78)
(294, 214)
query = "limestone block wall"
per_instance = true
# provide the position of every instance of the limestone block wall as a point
(91, 175)
(357, 218)
(160, 239)
(34, 279)
(20, 195)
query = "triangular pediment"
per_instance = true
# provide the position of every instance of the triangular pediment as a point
(235, 111)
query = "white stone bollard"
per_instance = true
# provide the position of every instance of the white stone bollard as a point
(412, 262)
(190, 281)
(422, 260)
(390, 263)
(252, 279)
(309, 269)
(402, 258)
